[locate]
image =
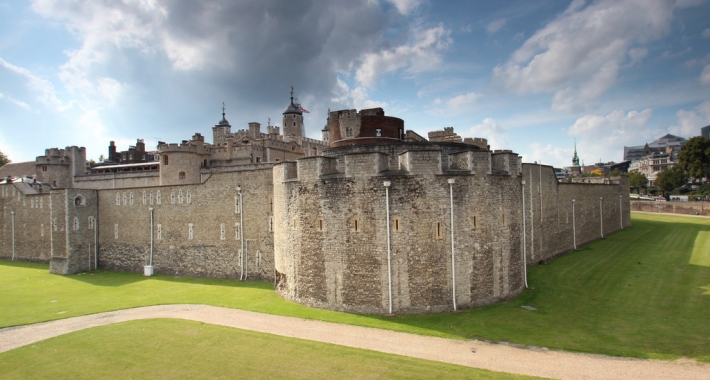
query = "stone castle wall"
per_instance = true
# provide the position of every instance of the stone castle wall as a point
(684, 208)
(331, 226)
(32, 236)
(195, 227)
(73, 250)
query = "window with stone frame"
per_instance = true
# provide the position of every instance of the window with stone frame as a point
(355, 225)
(396, 224)
(438, 230)
(320, 224)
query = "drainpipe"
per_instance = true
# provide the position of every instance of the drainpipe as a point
(453, 262)
(574, 228)
(152, 222)
(241, 232)
(525, 248)
(389, 251)
(13, 235)
(601, 217)
(96, 246)
(532, 218)
(621, 214)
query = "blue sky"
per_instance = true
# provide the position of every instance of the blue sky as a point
(531, 76)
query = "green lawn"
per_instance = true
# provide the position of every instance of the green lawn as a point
(642, 292)
(178, 349)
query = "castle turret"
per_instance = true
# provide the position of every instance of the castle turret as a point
(293, 121)
(221, 130)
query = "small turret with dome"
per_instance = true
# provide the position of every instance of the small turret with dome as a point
(293, 121)
(222, 129)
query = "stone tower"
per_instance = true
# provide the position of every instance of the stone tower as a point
(293, 121)
(221, 130)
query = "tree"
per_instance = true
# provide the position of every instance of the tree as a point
(637, 180)
(597, 172)
(3, 159)
(671, 178)
(102, 158)
(617, 172)
(694, 157)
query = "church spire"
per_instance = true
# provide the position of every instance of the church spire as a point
(575, 159)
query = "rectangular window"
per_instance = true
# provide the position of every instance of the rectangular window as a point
(115, 231)
(258, 258)
(397, 224)
(237, 206)
(438, 230)
(125, 199)
(160, 232)
(502, 219)
(293, 226)
(320, 224)
(131, 198)
(172, 196)
(180, 197)
(190, 231)
(118, 199)
(221, 232)
(144, 198)
(42, 230)
(151, 197)
(474, 221)
(271, 224)
(237, 231)
(54, 224)
(91, 223)
(32, 203)
(189, 196)
(76, 223)
(157, 197)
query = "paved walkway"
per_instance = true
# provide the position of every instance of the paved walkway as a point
(496, 357)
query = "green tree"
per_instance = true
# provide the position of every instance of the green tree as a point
(637, 180)
(3, 159)
(694, 157)
(102, 158)
(671, 178)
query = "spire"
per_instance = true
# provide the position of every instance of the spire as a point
(224, 120)
(291, 94)
(575, 159)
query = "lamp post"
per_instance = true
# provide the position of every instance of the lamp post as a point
(389, 250)
(453, 258)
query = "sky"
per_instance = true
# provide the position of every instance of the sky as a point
(530, 76)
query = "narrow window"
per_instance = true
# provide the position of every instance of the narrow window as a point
(258, 160)
(54, 224)
(397, 224)
(32, 203)
(180, 197)
(355, 225)
(160, 232)
(319, 224)
(181, 175)
(271, 224)
(61, 225)
(125, 199)
(91, 222)
(439, 233)
(502, 220)
(157, 197)
(221, 232)
(172, 196)
(42, 230)
(258, 258)
(294, 224)
(237, 231)
(115, 231)
(131, 197)
(294, 123)
(144, 198)
(41, 203)
(165, 159)
(189, 196)
(44, 168)
(378, 132)
(237, 206)
(190, 231)
(474, 221)
(118, 199)
(76, 223)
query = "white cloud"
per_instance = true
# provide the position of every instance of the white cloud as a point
(422, 54)
(578, 55)
(705, 75)
(706, 33)
(605, 136)
(357, 97)
(637, 54)
(43, 89)
(460, 103)
(690, 122)
(406, 6)
(548, 155)
(16, 102)
(495, 26)
(496, 134)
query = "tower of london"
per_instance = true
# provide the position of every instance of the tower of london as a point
(373, 218)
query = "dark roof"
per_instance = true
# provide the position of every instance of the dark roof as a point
(18, 169)
(293, 108)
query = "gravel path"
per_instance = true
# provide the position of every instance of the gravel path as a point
(496, 357)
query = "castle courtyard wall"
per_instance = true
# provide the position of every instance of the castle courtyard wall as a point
(32, 235)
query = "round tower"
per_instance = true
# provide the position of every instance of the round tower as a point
(293, 121)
